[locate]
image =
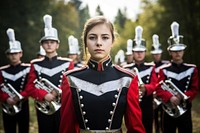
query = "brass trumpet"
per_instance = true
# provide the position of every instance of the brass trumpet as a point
(140, 83)
(174, 90)
(45, 106)
(11, 109)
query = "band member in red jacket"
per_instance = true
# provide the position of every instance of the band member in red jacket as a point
(96, 98)
(182, 76)
(147, 74)
(45, 70)
(13, 79)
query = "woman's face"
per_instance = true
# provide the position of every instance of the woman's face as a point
(99, 42)
(50, 46)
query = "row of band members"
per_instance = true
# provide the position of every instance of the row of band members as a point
(96, 97)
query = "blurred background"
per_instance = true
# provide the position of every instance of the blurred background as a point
(69, 16)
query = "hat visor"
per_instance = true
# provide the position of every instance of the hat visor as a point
(177, 48)
(45, 38)
(156, 52)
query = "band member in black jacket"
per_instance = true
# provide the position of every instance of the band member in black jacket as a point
(97, 97)
(45, 70)
(14, 76)
(147, 74)
(182, 76)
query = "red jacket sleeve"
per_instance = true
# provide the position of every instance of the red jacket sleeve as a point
(194, 87)
(68, 123)
(30, 89)
(150, 88)
(165, 95)
(133, 115)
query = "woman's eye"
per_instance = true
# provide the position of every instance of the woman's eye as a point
(105, 38)
(92, 38)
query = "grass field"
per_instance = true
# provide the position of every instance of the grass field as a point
(33, 119)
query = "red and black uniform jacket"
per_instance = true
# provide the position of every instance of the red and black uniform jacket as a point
(184, 76)
(16, 76)
(97, 97)
(50, 68)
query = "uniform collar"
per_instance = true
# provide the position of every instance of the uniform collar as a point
(176, 64)
(51, 59)
(15, 65)
(100, 66)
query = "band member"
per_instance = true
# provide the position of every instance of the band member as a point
(156, 53)
(96, 98)
(74, 52)
(148, 77)
(41, 53)
(51, 68)
(120, 58)
(185, 77)
(14, 78)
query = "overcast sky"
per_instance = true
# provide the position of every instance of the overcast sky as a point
(110, 7)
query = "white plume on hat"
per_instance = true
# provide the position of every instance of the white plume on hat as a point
(138, 34)
(47, 21)
(50, 33)
(175, 29)
(11, 34)
(119, 57)
(14, 45)
(73, 45)
(156, 45)
(129, 47)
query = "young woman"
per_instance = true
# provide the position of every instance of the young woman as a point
(95, 98)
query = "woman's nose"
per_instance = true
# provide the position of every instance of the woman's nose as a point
(99, 42)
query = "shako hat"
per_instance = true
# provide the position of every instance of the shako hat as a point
(50, 33)
(156, 46)
(139, 44)
(129, 47)
(14, 45)
(175, 41)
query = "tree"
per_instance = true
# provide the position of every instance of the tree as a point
(98, 11)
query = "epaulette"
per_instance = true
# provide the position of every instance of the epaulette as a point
(192, 65)
(149, 63)
(129, 72)
(166, 65)
(26, 64)
(64, 58)
(128, 65)
(37, 60)
(75, 70)
(4, 67)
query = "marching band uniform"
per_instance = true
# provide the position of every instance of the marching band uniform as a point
(185, 77)
(52, 70)
(96, 97)
(148, 76)
(16, 76)
(156, 52)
